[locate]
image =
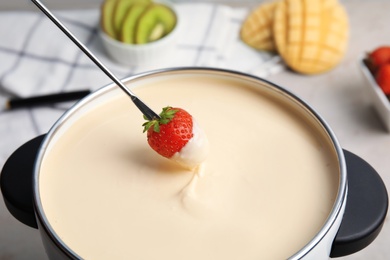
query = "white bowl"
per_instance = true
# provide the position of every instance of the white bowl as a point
(148, 54)
(379, 100)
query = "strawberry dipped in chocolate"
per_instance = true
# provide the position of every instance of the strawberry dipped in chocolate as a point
(177, 136)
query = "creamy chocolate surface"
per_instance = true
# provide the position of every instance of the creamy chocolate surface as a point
(265, 190)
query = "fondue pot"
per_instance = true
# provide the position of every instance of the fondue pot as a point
(355, 220)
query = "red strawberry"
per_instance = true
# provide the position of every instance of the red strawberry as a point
(383, 78)
(171, 132)
(379, 57)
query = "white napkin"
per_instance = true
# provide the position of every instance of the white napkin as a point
(37, 58)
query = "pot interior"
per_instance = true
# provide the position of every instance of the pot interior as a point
(271, 186)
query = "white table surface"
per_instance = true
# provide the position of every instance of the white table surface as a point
(339, 96)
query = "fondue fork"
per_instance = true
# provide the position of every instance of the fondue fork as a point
(149, 113)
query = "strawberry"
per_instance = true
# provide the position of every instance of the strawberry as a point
(383, 78)
(379, 57)
(169, 134)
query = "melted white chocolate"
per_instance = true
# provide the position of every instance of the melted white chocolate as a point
(195, 151)
(265, 190)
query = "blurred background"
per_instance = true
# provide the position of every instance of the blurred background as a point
(68, 4)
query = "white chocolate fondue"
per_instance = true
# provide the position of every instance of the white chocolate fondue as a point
(265, 190)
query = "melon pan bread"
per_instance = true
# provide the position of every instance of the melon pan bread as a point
(310, 35)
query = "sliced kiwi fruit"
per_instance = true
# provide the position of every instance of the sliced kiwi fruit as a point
(129, 23)
(120, 12)
(155, 22)
(136, 21)
(107, 12)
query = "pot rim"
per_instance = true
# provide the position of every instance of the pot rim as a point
(342, 189)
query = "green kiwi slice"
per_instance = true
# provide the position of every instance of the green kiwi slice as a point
(107, 11)
(120, 12)
(155, 22)
(129, 23)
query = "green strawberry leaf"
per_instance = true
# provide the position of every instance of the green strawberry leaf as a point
(166, 116)
(156, 128)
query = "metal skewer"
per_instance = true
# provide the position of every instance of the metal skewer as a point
(149, 113)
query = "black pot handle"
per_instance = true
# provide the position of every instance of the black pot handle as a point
(365, 212)
(366, 208)
(17, 182)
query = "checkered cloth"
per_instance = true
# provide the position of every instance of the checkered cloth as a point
(37, 58)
